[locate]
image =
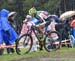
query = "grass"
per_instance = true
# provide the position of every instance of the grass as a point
(64, 53)
(17, 57)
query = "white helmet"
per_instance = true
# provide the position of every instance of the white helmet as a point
(27, 17)
(11, 13)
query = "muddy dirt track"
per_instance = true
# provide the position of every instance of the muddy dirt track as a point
(47, 58)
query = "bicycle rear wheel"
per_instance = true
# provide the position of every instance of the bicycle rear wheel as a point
(24, 44)
(52, 43)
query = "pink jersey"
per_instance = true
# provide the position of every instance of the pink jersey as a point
(26, 27)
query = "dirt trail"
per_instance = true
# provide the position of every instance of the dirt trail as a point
(47, 58)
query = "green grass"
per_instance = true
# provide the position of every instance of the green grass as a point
(62, 53)
(17, 57)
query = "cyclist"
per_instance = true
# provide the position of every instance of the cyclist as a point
(42, 16)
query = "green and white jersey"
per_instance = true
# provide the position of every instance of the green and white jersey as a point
(42, 15)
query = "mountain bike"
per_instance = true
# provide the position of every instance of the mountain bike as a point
(25, 42)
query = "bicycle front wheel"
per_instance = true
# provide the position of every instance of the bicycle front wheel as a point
(24, 44)
(52, 41)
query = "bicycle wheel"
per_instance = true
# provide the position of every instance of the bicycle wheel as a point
(52, 42)
(24, 44)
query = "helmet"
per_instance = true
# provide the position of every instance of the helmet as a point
(12, 13)
(32, 11)
(27, 17)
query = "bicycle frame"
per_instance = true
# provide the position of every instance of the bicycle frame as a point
(34, 31)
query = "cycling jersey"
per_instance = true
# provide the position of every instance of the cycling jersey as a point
(33, 20)
(42, 15)
(36, 21)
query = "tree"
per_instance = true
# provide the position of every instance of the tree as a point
(22, 7)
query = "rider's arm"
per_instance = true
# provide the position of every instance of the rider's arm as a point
(41, 24)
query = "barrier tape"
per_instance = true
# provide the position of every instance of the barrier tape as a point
(3, 46)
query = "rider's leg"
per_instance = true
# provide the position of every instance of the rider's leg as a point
(41, 27)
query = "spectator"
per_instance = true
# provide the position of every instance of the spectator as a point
(9, 35)
(73, 26)
(27, 23)
(73, 31)
(1, 41)
(11, 17)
